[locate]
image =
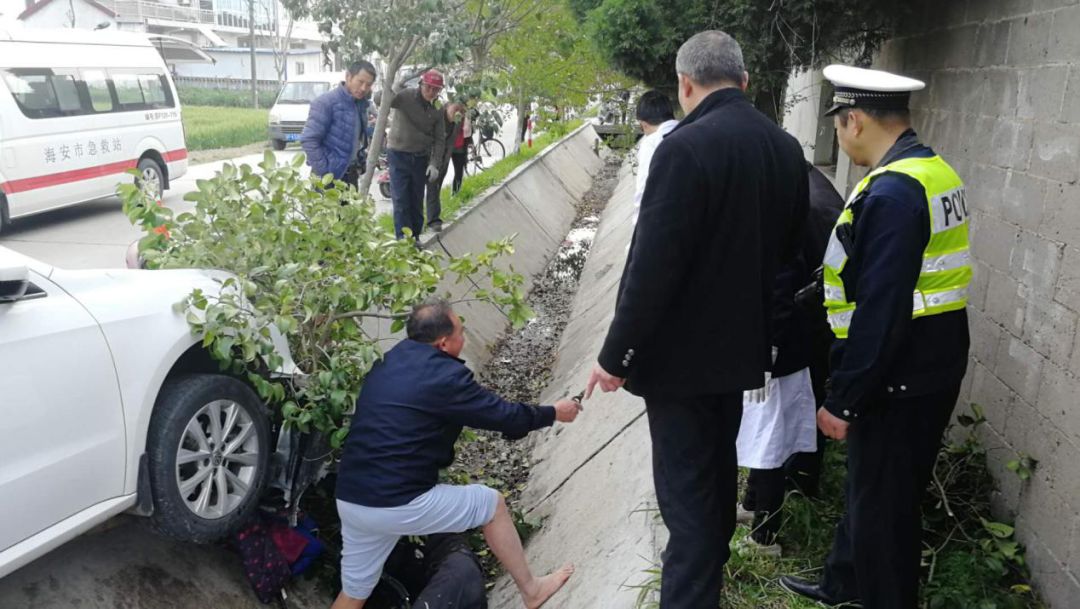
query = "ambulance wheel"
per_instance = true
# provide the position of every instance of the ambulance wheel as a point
(151, 177)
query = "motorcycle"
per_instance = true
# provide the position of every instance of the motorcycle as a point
(382, 175)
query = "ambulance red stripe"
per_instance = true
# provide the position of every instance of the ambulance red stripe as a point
(75, 175)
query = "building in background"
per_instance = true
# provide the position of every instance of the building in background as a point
(283, 47)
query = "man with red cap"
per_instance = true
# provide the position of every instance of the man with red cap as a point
(416, 125)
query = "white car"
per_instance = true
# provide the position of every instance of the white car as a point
(108, 403)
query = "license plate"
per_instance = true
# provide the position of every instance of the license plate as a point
(292, 137)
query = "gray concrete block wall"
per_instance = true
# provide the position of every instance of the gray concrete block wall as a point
(1003, 107)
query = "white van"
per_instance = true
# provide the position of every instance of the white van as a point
(78, 109)
(290, 110)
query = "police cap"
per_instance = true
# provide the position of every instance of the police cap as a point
(863, 88)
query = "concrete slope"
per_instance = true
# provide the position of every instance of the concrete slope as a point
(536, 204)
(592, 482)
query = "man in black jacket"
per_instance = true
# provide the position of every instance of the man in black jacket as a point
(723, 207)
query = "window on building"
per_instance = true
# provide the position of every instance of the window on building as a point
(299, 68)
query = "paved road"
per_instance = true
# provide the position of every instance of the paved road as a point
(97, 234)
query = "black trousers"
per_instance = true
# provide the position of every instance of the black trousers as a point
(459, 159)
(804, 469)
(433, 197)
(765, 497)
(696, 476)
(891, 454)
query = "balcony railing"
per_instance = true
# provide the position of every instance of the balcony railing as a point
(140, 10)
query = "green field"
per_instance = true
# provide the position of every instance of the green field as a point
(211, 127)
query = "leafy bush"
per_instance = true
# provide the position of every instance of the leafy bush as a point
(209, 128)
(308, 258)
(973, 561)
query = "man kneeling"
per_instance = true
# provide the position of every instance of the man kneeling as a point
(411, 410)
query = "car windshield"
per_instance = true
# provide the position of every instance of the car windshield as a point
(302, 92)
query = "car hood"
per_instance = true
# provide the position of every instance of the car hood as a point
(116, 295)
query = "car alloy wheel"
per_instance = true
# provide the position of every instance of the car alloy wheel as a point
(217, 459)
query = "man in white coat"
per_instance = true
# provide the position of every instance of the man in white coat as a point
(657, 119)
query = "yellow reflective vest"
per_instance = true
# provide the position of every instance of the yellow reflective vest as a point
(946, 270)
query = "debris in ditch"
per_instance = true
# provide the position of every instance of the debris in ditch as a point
(521, 363)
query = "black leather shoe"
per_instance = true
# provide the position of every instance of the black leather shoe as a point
(813, 591)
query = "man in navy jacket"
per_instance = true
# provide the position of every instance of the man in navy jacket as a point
(723, 209)
(411, 410)
(336, 133)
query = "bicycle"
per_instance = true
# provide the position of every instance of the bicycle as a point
(490, 148)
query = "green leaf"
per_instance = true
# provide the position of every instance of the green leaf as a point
(997, 529)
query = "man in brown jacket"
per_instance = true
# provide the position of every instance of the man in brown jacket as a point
(415, 139)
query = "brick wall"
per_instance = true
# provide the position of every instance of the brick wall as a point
(1002, 105)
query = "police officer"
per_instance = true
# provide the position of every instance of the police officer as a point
(896, 273)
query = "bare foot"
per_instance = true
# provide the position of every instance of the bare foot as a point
(543, 588)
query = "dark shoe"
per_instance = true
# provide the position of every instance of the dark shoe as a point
(435, 227)
(813, 591)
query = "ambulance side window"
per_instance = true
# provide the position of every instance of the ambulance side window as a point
(97, 87)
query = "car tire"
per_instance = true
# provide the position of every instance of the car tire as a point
(384, 189)
(277, 144)
(206, 480)
(3, 214)
(150, 174)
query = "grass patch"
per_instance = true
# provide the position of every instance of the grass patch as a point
(208, 128)
(232, 98)
(970, 562)
(475, 185)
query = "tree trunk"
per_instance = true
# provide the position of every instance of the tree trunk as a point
(770, 101)
(522, 114)
(254, 73)
(375, 149)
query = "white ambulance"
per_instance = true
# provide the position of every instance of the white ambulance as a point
(78, 109)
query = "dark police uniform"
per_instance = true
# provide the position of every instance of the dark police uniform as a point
(898, 379)
(896, 276)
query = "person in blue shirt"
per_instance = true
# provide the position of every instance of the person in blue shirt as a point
(900, 357)
(337, 130)
(411, 410)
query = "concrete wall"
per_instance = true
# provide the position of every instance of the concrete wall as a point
(591, 484)
(1002, 105)
(536, 204)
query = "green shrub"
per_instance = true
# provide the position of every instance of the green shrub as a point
(308, 260)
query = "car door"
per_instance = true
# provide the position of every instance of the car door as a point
(61, 427)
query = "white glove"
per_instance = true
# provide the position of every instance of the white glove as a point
(432, 173)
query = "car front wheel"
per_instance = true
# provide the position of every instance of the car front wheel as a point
(209, 448)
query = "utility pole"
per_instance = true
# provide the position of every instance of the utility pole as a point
(254, 73)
